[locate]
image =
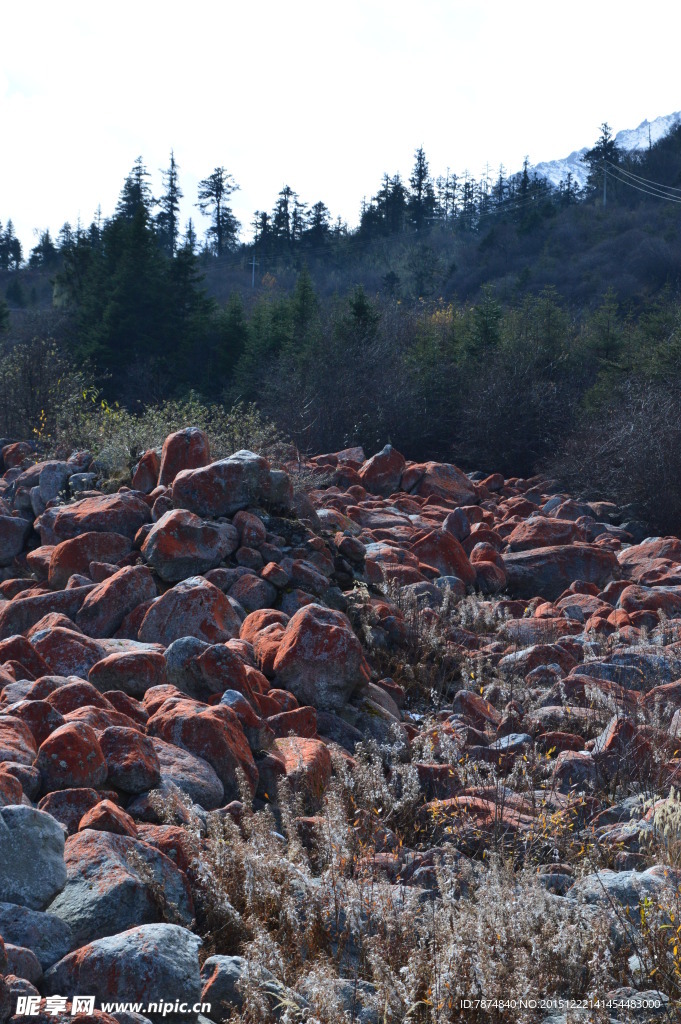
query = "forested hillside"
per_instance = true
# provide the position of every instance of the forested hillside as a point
(506, 323)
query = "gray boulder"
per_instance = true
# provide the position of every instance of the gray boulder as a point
(115, 882)
(32, 869)
(47, 936)
(153, 960)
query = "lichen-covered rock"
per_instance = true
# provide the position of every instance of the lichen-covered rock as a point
(71, 758)
(548, 571)
(185, 449)
(181, 545)
(131, 966)
(115, 882)
(105, 607)
(123, 513)
(193, 607)
(224, 487)
(74, 556)
(16, 741)
(131, 761)
(319, 658)
(133, 672)
(192, 775)
(211, 733)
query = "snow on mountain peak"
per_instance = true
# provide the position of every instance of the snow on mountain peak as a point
(647, 133)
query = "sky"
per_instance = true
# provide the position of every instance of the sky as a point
(323, 96)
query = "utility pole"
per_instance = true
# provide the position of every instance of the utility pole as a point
(605, 184)
(254, 263)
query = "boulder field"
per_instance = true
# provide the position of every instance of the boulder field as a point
(214, 629)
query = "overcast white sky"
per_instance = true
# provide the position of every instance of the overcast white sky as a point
(323, 97)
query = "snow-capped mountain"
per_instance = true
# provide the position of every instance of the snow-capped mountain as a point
(647, 133)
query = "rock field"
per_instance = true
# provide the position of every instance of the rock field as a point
(216, 628)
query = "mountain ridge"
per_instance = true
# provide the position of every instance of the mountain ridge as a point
(646, 134)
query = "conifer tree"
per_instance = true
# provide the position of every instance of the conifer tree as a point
(167, 220)
(214, 191)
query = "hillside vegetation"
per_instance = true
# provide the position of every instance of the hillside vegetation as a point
(506, 324)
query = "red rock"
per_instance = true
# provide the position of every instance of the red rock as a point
(107, 817)
(174, 842)
(251, 530)
(185, 449)
(490, 578)
(123, 513)
(145, 477)
(558, 742)
(381, 474)
(259, 620)
(74, 556)
(443, 551)
(213, 734)
(193, 607)
(541, 532)
(16, 741)
(307, 764)
(441, 480)
(320, 660)
(224, 487)
(69, 805)
(74, 695)
(66, 652)
(70, 758)
(100, 719)
(219, 668)
(105, 607)
(19, 649)
(636, 599)
(547, 571)
(51, 621)
(575, 770)
(438, 781)
(129, 707)
(14, 454)
(482, 551)
(40, 717)
(299, 721)
(21, 614)
(11, 792)
(132, 672)
(181, 545)
(476, 709)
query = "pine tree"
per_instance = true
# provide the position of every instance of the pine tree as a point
(422, 198)
(135, 194)
(214, 191)
(11, 253)
(604, 153)
(167, 220)
(45, 253)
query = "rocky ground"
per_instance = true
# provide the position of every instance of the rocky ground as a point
(236, 699)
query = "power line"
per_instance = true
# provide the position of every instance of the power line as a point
(647, 191)
(646, 181)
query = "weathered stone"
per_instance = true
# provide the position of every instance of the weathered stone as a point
(181, 545)
(105, 607)
(193, 607)
(319, 659)
(224, 487)
(71, 757)
(32, 867)
(112, 884)
(184, 450)
(134, 965)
